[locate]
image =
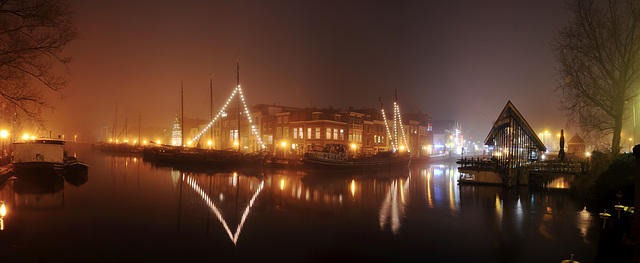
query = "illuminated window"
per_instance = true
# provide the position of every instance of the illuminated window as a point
(285, 131)
(301, 132)
(328, 136)
(335, 134)
(295, 133)
(342, 134)
(317, 133)
(278, 131)
(309, 133)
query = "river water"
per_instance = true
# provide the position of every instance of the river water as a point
(132, 210)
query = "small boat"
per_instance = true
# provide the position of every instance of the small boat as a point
(334, 156)
(73, 166)
(38, 156)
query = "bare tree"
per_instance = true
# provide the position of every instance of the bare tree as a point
(33, 34)
(599, 57)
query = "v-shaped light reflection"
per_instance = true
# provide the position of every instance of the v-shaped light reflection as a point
(209, 202)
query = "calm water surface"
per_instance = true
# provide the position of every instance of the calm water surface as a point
(131, 210)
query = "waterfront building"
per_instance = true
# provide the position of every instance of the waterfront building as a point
(512, 142)
(290, 132)
(576, 147)
(447, 136)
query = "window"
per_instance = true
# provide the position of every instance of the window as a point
(295, 133)
(309, 133)
(328, 136)
(301, 132)
(342, 134)
(350, 137)
(285, 131)
(286, 119)
(317, 133)
(335, 134)
(279, 132)
(279, 120)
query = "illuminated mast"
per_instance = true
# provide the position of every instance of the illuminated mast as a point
(182, 110)
(386, 124)
(238, 99)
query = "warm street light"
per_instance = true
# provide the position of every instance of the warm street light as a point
(284, 144)
(4, 134)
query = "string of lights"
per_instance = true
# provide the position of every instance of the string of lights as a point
(386, 125)
(254, 130)
(404, 137)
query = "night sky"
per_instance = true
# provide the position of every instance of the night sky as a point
(459, 60)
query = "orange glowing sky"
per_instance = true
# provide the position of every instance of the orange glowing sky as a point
(458, 60)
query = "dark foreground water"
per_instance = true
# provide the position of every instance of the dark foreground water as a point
(133, 211)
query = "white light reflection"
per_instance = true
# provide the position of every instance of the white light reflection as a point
(209, 202)
(392, 207)
(584, 220)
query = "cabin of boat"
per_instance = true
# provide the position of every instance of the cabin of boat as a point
(38, 155)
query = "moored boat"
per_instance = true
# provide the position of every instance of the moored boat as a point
(38, 156)
(334, 156)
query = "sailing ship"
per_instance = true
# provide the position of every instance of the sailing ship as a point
(336, 156)
(181, 155)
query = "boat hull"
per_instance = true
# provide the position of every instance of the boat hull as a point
(370, 163)
(35, 169)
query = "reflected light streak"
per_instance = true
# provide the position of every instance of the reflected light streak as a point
(353, 188)
(212, 206)
(498, 209)
(391, 208)
(429, 190)
(281, 184)
(584, 220)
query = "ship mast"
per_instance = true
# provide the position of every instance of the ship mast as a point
(211, 104)
(182, 117)
(238, 99)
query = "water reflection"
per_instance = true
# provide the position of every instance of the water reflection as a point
(393, 208)
(211, 204)
(34, 192)
(188, 214)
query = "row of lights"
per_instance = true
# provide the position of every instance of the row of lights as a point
(404, 137)
(254, 131)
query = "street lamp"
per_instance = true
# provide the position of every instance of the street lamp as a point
(284, 149)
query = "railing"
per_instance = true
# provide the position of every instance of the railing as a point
(552, 167)
(545, 167)
(477, 163)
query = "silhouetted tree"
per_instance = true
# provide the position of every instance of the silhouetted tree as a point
(599, 57)
(33, 34)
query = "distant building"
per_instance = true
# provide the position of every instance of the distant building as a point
(576, 146)
(447, 136)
